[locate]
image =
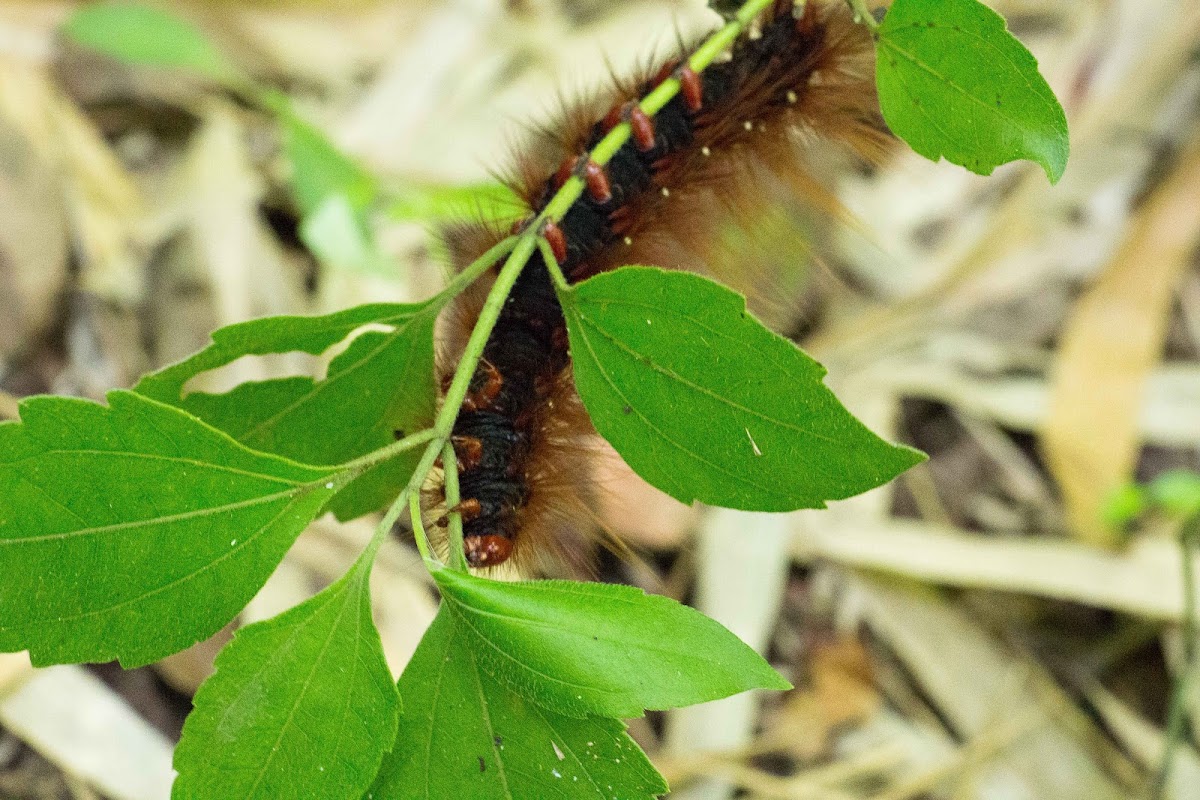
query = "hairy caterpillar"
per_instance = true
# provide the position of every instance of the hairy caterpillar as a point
(802, 73)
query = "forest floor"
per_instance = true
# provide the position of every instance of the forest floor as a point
(972, 630)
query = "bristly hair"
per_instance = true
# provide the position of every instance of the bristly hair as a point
(802, 77)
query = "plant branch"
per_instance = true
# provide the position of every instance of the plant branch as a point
(444, 423)
(458, 560)
(479, 336)
(387, 453)
(414, 512)
(1181, 692)
(863, 14)
(522, 248)
(560, 281)
(477, 267)
(652, 103)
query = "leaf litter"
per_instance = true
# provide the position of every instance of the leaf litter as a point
(958, 634)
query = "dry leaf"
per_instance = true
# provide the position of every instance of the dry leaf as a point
(1111, 343)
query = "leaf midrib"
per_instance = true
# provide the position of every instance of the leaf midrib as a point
(318, 387)
(162, 520)
(891, 44)
(690, 384)
(314, 667)
(547, 626)
(157, 590)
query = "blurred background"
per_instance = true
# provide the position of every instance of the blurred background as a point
(975, 630)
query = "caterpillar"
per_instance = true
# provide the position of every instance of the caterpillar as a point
(802, 73)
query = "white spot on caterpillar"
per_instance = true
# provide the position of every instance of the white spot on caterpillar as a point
(791, 97)
(628, 241)
(557, 752)
(556, 773)
(753, 443)
(666, 192)
(748, 125)
(233, 543)
(724, 58)
(329, 485)
(704, 151)
(755, 31)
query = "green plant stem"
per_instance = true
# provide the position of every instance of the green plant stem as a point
(477, 267)
(522, 248)
(455, 530)
(1177, 713)
(560, 280)
(414, 511)
(461, 281)
(437, 438)
(376, 457)
(479, 336)
(723, 39)
(385, 525)
(863, 14)
(444, 423)
(652, 103)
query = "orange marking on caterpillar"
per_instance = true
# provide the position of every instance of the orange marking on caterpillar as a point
(482, 396)
(643, 128)
(691, 87)
(531, 470)
(520, 225)
(469, 451)
(597, 183)
(557, 240)
(665, 71)
(487, 550)
(614, 117)
(469, 509)
(565, 171)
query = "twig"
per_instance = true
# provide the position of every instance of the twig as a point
(1176, 714)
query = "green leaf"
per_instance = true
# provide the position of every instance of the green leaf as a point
(320, 169)
(589, 648)
(706, 404)
(467, 736)
(1125, 505)
(954, 82)
(338, 236)
(383, 382)
(141, 35)
(1177, 492)
(302, 705)
(133, 531)
(333, 192)
(492, 202)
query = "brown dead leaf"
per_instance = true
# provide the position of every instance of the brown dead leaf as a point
(843, 683)
(33, 241)
(979, 686)
(103, 205)
(842, 693)
(14, 670)
(1110, 344)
